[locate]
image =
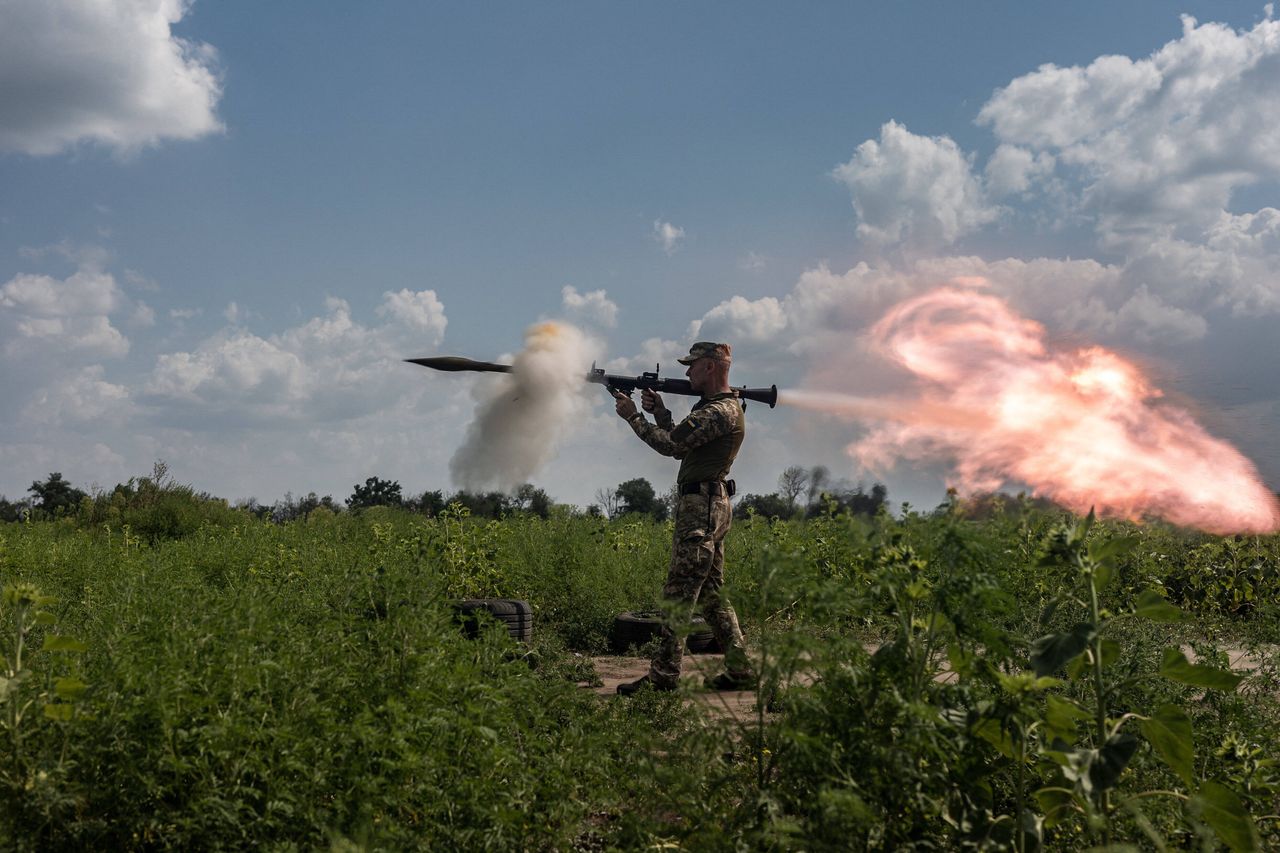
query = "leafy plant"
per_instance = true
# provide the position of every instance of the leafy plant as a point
(30, 684)
(1091, 769)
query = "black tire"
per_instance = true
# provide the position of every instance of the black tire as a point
(471, 626)
(635, 628)
(702, 640)
(516, 616)
(504, 607)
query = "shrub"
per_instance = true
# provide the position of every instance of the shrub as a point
(157, 508)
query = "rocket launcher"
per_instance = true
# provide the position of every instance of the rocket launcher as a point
(625, 384)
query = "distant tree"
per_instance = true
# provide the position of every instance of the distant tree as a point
(289, 509)
(638, 496)
(860, 502)
(529, 498)
(311, 503)
(308, 503)
(594, 511)
(486, 505)
(375, 492)
(793, 483)
(56, 496)
(430, 503)
(853, 501)
(769, 506)
(249, 505)
(13, 510)
(607, 502)
(286, 509)
(985, 505)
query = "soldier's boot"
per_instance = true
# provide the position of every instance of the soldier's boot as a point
(724, 623)
(664, 668)
(630, 688)
(729, 681)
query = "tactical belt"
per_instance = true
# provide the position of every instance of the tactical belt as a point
(727, 488)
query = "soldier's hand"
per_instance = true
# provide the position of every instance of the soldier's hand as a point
(625, 405)
(652, 402)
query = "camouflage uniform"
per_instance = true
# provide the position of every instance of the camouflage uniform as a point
(706, 442)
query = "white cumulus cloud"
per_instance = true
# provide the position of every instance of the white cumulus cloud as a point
(1012, 170)
(143, 315)
(1160, 142)
(826, 310)
(741, 320)
(83, 397)
(594, 306)
(653, 351)
(109, 71)
(422, 311)
(330, 368)
(43, 314)
(917, 188)
(234, 368)
(1147, 151)
(87, 291)
(669, 236)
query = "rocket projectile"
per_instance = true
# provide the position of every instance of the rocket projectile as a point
(453, 364)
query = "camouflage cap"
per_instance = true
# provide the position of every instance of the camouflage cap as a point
(708, 349)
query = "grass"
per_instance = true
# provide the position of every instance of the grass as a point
(244, 684)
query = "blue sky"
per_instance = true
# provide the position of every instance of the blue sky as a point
(220, 222)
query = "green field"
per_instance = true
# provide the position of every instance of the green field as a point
(220, 681)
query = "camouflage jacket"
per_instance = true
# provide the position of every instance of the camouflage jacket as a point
(706, 441)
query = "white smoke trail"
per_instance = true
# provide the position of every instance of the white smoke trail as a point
(518, 427)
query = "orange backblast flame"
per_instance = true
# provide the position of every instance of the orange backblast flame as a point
(1083, 428)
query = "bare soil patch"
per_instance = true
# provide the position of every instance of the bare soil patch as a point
(736, 705)
(740, 706)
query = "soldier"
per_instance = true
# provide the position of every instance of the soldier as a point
(706, 443)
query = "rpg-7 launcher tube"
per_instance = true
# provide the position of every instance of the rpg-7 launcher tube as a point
(651, 381)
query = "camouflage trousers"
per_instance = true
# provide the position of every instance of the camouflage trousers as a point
(693, 582)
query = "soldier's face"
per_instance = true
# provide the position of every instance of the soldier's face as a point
(698, 373)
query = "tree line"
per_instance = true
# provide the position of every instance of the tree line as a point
(802, 493)
(809, 492)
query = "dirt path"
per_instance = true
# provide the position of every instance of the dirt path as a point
(738, 705)
(1237, 659)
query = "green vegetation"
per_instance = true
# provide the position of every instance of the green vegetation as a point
(178, 673)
